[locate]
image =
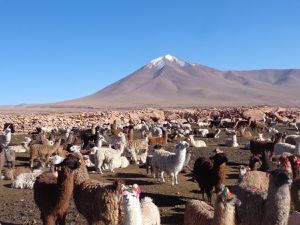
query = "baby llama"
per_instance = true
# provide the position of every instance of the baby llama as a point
(137, 212)
(196, 143)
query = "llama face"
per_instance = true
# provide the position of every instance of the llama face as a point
(8, 130)
(242, 171)
(72, 162)
(130, 198)
(280, 177)
(75, 148)
(183, 145)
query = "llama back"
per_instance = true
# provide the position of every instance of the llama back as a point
(251, 210)
(150, 212)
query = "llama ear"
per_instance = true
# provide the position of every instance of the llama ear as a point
(137, 190)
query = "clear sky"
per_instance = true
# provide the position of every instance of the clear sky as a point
(53, 50)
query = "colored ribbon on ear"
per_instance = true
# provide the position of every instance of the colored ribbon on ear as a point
(137, 190)
(286, 164)
(226, 195)
(120, 192)
(297, 161)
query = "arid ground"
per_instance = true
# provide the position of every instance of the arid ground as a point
(17, 206)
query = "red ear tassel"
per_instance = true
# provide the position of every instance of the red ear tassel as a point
(137, 190)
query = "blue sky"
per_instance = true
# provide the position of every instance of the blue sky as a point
(53, 50)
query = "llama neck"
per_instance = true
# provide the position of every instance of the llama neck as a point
(180, 156)
(8, 138)
(133, 214)
(122, 147)
(65, 184)
(99, 143)
(130, 135)
(192, 140)
(277, 206)
(81, 174)
(165, 136)
(93, 129)
(224, 214)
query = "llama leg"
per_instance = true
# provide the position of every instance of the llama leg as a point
(111, 166)
(203, 194)
(100, 163)
(2, 162)
(176, 180)
(31, 163)
(172, 176)
(50, 220)
(154, 174)
(162, 176)
(208, 193)
(43, 219)
(47, 160)
(62, 219)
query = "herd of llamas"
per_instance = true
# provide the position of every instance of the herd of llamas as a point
(60, 162)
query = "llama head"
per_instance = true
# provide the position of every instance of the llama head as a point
(280, 177)
(7, 131)
(122, 136)
(130, 198)
(27, 140)
(100, 137)
(72, 162)
(243, 170)
(226, 197)
(131, 195)
(56, 159)
(191, 137)
(10, 126)
(75, 148)
(182, 145)
(219, 159)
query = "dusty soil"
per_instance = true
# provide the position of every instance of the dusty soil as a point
(17, 206)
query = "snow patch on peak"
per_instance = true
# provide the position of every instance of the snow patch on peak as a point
(160, 62)
(170, 57)
(156, 63)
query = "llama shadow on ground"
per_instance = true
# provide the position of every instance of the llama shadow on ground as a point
(162, 200)
(232, 164)
(196, 192)
(173, 219)
(22, 158)
(130, 175)
(132, 182)
(7, 186)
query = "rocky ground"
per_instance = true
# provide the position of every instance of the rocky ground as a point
(17, 206)
(27, 121)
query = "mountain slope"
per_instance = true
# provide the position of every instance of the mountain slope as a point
(169, 81)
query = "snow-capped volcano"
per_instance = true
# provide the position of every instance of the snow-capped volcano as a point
(170, 81)
(160, 62)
